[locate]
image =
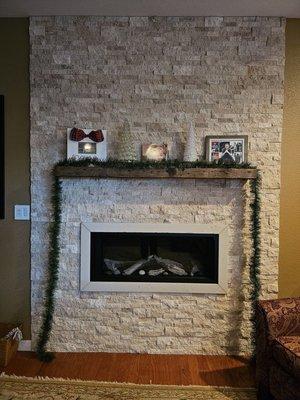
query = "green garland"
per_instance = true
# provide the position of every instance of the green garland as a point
(254, 263)
(55, 227)
(119, 164)
(54, 233)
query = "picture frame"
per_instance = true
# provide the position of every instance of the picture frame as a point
(226, 149)
(81, 146)
(154, 152)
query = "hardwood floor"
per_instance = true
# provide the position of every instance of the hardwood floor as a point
(139, 368)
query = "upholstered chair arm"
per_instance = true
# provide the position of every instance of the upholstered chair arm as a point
(273, 318)
(282, 317)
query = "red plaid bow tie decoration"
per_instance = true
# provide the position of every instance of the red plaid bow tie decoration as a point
(78, 134)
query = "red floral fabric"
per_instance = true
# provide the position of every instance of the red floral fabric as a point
(282, 316)
(286, 351)
(277, 319)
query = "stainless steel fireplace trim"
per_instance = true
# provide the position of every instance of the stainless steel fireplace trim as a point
(153, 287)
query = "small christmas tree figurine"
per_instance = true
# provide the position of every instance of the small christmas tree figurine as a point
(190, 152)
(127, 149)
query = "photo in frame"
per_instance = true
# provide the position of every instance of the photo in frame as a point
(227, 149)
(154, 152)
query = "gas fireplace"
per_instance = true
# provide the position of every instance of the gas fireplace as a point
(153, 257)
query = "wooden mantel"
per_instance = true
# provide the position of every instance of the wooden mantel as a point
(189, 173)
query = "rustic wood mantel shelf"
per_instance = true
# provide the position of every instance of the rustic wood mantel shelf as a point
(154, 173)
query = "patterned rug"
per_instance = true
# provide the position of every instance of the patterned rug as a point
(17, 388)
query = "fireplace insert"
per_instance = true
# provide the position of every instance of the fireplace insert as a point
(154, 257)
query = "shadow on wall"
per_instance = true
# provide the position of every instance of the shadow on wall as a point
(236, 317)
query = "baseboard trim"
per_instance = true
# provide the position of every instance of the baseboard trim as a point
(25, 345)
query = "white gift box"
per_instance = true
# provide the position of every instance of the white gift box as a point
(87, 147)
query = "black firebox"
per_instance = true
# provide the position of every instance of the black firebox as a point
(154, 257)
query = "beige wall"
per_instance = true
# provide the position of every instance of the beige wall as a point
(14, 235)
(289, 261)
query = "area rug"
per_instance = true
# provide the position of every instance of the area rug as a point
(17, 388)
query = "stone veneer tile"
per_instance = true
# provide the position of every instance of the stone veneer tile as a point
(225, 74)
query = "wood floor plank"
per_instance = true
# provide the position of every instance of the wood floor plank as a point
(23, 364)
(139, 368)
(146, 369)
(161, 368)
(124, 368)
(195, 375)
(105, 366)
(178, 367)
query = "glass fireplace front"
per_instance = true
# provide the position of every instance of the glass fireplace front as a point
(154, 257)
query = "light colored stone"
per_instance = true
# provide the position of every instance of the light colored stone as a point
(225, 74)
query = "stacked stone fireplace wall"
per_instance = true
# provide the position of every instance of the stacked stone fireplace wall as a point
(224, 74)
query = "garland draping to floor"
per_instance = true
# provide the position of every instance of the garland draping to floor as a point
(55, 227)
(53, 265)
(254, 263)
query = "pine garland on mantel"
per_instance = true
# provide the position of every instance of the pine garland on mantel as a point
(55, 227)
(167, 164)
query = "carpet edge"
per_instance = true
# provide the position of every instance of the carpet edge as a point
(68, 381)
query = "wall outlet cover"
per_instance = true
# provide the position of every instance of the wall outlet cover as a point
(22, 212)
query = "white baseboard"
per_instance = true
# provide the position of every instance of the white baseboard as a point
(25, 345)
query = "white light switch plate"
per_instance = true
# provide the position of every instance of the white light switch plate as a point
(22, 212)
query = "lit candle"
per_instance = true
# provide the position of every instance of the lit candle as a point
(87, 147)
